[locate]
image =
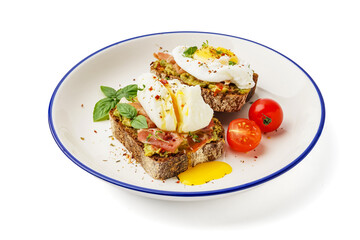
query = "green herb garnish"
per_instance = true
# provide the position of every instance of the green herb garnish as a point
(129, 92)
(219, 51)
(194, 137)
(205, 44)
(102, 107)
(190, 51)
(126, 110)
(231, 63)
(148, 137)
(130, 112)
(139, 122)
(108, 91)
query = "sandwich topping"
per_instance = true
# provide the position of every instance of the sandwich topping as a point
(218, 69)
(174, 106)
(176, 118)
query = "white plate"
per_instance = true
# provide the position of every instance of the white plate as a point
(89, 146)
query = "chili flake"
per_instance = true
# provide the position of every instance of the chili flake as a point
(163, 81)
(157, 97)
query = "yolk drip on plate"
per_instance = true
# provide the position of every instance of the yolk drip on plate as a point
(204, 172)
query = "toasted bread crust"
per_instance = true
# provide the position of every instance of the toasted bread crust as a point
(221, 102)
(163, 167)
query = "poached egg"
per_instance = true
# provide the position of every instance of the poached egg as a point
(173, 106)
(214, 65)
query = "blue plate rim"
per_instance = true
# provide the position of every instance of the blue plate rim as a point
(177, 193)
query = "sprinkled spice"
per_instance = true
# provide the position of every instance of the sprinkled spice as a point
(157, 97)
(151, 88)
(164, 81)
(95, 131)
(82, 138)
(82, 105)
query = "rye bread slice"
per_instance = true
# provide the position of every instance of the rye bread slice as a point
(221, 102)
(164, 167)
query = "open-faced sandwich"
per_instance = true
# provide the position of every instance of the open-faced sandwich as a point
(226, 81)
(167, 127)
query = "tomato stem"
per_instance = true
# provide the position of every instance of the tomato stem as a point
(266, 120)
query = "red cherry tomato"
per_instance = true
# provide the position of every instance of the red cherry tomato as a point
(267, 114)
(243, 135)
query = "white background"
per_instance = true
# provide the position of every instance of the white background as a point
(46, 196)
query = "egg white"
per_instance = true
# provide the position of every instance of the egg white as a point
(159, 109)
(215, 70)
(192, 112)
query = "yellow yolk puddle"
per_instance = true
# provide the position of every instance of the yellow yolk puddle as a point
(204, 172)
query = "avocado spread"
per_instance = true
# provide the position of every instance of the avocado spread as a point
(125, 121)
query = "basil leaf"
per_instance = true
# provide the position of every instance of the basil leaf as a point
(129, 92)
(139, 122)
(102, 108)
(126, 110)
(190, 51)
(231, 63)
(108, 91)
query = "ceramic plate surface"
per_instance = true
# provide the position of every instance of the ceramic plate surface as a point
(91, 147)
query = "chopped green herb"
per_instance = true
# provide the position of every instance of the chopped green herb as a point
(219, 52)
(194, 137)
(231, 63)
(148, 137)
(205, 44)
(190, 51)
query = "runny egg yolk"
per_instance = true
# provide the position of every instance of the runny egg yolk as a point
(209, 53)
(204, 172)
(176, 107)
